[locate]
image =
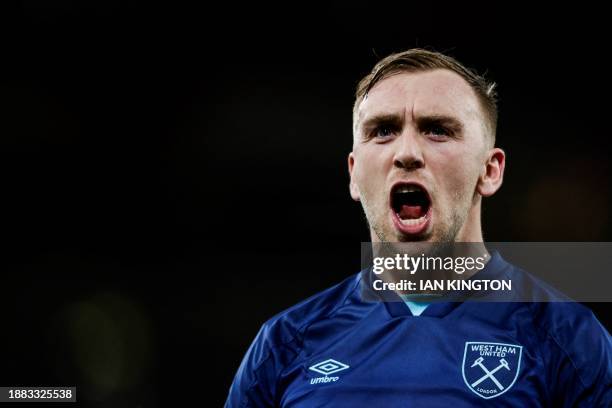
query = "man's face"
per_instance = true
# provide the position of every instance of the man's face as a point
(419, 152)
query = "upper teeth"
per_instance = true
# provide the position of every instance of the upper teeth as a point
(407, 189)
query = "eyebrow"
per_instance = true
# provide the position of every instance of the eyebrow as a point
(393, 119)
(382, 119)
(450, 122)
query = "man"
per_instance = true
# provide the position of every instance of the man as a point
(423, 158)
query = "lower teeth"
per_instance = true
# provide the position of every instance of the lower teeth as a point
(413, 221)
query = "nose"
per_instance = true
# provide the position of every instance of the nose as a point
(408, 154)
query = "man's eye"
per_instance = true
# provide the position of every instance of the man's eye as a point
(437, 131)
(383, 131)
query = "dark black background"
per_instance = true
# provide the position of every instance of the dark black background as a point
(174, 175)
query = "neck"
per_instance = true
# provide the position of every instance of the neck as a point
(471, 231)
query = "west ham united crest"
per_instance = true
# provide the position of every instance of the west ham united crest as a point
(490, 369)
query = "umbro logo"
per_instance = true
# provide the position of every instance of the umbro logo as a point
(327, 367)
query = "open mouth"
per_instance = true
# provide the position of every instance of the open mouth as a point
(411, 206)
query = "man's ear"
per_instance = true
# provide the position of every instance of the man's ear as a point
(493, 173)
(352, 185)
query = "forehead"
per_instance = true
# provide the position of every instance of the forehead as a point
(436, 92)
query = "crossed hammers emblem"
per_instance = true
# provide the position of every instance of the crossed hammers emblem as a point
(489, 374)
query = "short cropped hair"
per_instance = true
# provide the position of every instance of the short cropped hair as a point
(421, 60)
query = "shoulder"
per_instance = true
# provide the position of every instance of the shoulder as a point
(554, 313)
(284, 327)
(570, 325)
(575, 345)
(578, 353)
(280, 341)
(280, 338)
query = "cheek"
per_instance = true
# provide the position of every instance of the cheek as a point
(456, 173)
(370, 168)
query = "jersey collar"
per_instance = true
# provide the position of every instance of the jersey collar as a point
(440, 309)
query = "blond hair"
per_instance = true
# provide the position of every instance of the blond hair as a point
(420, 60)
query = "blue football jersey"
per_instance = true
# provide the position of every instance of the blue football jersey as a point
(337, 350)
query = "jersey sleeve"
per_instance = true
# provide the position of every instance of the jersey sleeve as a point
(581, 371)
(253, 384)
(256, 383)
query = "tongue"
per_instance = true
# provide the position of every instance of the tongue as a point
(411, 212)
